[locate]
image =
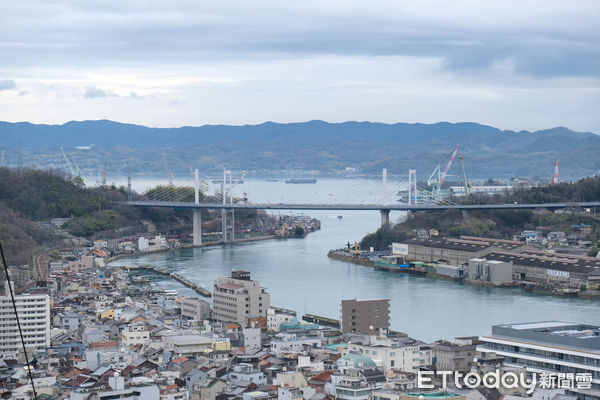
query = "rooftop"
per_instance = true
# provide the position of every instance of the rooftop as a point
(558, 333)
(467, 243)
(557, 262)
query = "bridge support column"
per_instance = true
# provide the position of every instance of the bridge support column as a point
(197, 228)
(385, 218)
(197, 216)
(232, 225)
(224, 225)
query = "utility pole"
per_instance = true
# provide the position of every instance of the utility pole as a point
(129, 185)
(104, 175)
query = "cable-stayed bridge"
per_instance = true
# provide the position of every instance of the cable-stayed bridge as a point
(392, 193)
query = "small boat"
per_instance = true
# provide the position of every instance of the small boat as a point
(340, 216)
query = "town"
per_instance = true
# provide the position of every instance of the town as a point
(93, 332)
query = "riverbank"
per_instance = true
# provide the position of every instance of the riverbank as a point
(187, 246)
(537, 289)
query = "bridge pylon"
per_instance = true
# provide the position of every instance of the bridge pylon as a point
(385, 218)
(197, 216)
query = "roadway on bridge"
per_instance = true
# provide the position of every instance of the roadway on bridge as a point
(342, 207)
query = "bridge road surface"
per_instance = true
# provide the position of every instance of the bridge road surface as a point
(374, 207)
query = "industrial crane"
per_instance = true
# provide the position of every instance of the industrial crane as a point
(73, 168)
(436, 184)
(468, 189)
(555, 177)
(169, 171)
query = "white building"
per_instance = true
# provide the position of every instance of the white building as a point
(238, 298)
(189, 344)
(252, 341)
(143, 244)
(291, 343)
(34, 316)
(131, 337)
(404, 354)
(551, 347)
(277, 316)
(247, 373)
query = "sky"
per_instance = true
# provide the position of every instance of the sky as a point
(511, 64)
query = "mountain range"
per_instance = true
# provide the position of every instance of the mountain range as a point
(305, 146)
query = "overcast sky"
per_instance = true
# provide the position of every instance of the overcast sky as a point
(511, 64)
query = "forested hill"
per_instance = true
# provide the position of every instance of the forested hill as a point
(28, 196)
(313, 145)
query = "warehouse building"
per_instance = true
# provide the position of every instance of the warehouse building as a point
(457, 251)
(552, 269)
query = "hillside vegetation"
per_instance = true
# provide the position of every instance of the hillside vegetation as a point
(501, 224)
(27, 196)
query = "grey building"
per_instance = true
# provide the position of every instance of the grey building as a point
(456, 251)
(195, 309)
(489, 271)
(71, 321)
(561, 269)
(456, 356)
(551, 347)
(365, 316)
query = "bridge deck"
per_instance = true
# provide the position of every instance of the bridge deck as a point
(342, 207)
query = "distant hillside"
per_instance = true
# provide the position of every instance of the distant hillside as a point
(314, 145)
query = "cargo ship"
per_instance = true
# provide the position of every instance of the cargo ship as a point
(308, 180)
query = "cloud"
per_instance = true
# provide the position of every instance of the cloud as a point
(509, 63)
(543, 37)
(7, 84)
(93, 91)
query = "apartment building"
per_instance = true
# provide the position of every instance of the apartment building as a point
(365, 316)
(34, 316)
(237, 298)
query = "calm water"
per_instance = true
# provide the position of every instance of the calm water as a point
(300, 276)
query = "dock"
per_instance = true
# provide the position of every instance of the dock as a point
(178, 277)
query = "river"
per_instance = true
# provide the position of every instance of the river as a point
(300, 276)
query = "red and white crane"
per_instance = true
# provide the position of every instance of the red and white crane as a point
(449, 165)
(555, 178)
